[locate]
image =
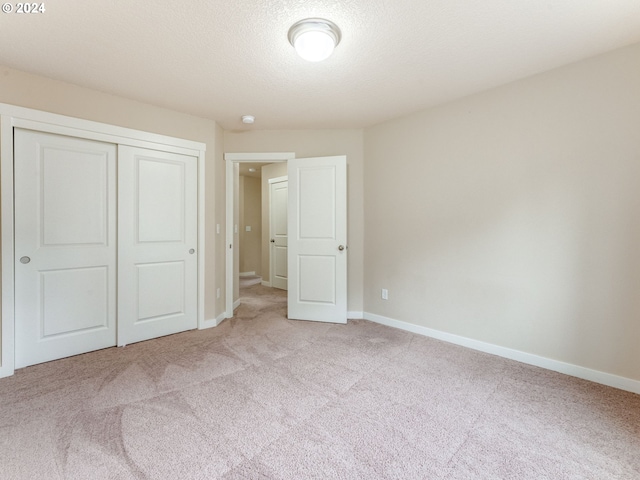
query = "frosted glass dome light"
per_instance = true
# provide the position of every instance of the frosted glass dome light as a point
(314, 38)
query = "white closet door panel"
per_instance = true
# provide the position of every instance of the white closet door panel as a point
(74, 212)
(161, 200)
(74, 300)
(160, 290)
(65, 246)
(157, 238)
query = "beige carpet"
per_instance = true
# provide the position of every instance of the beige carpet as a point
(261, 397)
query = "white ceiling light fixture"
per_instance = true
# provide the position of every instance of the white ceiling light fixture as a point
(314, 38)
(249, 119)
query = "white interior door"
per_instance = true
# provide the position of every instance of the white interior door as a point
(157, 240)
(318, 239)
(65, 246)
(278, 228)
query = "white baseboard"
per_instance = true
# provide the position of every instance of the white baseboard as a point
(266, 284)
(220, 318)
(236, 304)
(212, 322)
(6, 371)
(355, 315)
(207, 323)
(603, 378)
(247, 274)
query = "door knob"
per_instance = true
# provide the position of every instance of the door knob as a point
(273, 240)
(341, 247)
(192, 251)
(25, 260)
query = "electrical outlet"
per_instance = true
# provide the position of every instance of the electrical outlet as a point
(385, 294)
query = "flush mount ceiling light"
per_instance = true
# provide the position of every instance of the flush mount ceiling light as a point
(248, 119)
(314, 38)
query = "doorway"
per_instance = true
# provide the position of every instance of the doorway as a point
(317, 235)
(233, 164)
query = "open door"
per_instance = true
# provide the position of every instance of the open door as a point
(317, 250)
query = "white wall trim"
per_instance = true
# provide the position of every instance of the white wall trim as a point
(220, 318)
(230, 160)
(266, 284)
(247, 274)
(355, 315)
(54, 123)
(596, 376)
(12, 117)
(236, 304)
(213, 322)
(208, 323)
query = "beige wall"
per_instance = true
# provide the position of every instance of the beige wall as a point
(513, 216)
(273, 170)
(315, 143)
(250, 215)
(32, 91)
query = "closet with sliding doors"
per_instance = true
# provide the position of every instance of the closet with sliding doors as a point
(106, 237)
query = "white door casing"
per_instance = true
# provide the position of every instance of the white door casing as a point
(317, 267)
(157, 241)
(278, 199)
(65, 236)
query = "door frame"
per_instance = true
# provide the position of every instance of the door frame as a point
(231, 160)
(11, 117)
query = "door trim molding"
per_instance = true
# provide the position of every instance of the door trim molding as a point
(231, 159)
(12, 116)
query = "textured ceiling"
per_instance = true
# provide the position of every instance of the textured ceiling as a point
(221, 59)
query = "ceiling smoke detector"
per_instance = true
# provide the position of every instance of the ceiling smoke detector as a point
(248, 119)
(314, 38)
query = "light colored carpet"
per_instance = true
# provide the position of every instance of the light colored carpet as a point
(261, 397)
